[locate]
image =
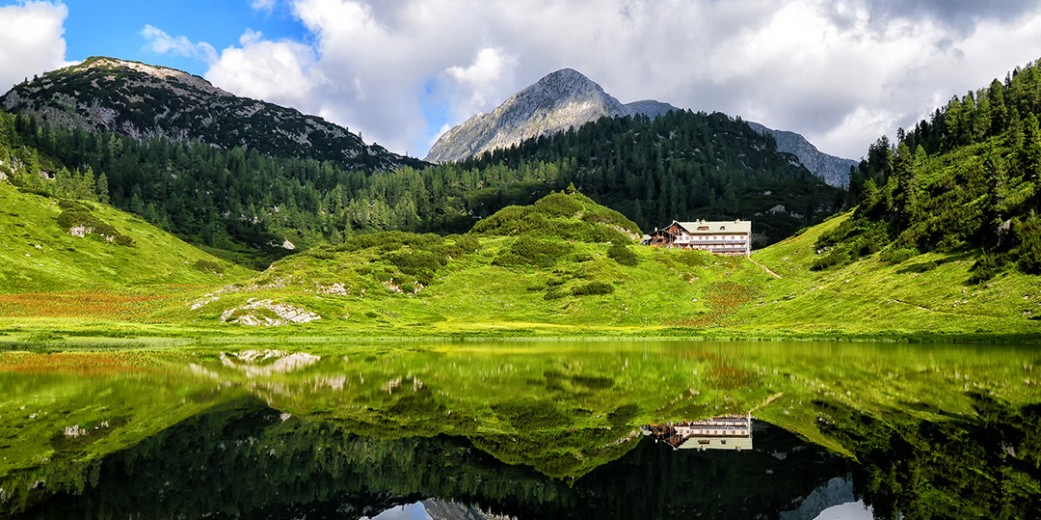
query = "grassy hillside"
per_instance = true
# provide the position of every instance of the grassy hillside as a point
(122, 269)
(930, 293)
(568, 266)
(563, 266)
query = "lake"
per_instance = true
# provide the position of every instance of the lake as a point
(522, 429)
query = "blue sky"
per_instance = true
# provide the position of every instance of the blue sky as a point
(113, 28)
(400, 72)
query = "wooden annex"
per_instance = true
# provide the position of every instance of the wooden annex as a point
(732, 238)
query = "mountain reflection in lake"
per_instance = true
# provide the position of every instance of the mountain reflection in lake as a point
(523, 431)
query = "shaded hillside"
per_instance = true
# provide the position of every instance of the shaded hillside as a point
(79, 259)
(144, 101)
(965, 181)
(834, 170)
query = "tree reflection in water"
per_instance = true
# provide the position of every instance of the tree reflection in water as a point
(246, 461)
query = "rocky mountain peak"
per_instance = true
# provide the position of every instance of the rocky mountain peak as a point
(156, 72)
(558, 101)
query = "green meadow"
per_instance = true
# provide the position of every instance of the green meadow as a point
(563, 267)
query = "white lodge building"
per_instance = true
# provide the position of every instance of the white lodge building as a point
(726, 238)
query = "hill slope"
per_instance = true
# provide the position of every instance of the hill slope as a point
(56, 259)
(968, 181)
(927, 295)
(144, 101)
(564, 266)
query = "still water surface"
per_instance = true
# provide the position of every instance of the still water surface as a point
(523, 430)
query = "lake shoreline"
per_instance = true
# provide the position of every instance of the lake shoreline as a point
(55, 336)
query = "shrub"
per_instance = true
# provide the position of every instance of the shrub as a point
(622, 254)
(692, 258)
(987, 267)
(322, 254)
(558, 205)
(897, 255)
(837, 257)
(555, 294)
(466, 243)
(532, 251)
(76, 214)
(922, 267)
(208, 266)
(593, 289)
(390, 241)
(1029, 252)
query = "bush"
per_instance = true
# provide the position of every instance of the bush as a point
(558, 205)
(390, 241)
(623, 255)
(987, 267)
(532, 251)
(466, 243)
(1029, 252)
(837, 257)
(593, 289)
(897, 255)
(555, 294)
(208, 266)
(75, 214)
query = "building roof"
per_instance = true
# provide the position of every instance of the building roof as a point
(716, 227)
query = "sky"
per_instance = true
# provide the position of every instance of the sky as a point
(400, 72)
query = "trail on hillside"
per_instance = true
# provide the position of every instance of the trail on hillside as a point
(767, 269)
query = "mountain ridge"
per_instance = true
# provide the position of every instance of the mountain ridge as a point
(567, 98)
(146, 101)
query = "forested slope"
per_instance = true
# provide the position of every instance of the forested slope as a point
(966, 180)
(682, 166)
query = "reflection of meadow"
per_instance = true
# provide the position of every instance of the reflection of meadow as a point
(562, 407)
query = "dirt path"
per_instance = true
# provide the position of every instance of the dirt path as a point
(919, 307)
(767, 269)
(768, 400)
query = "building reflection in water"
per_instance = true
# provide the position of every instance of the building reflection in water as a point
(727, 432)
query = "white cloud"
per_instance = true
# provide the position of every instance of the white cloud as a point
(841, 73)
(32, 40)
(267, 6)
(484, 78)
(281, 72)
(162, 43)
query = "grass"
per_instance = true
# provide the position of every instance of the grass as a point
(546, 275)
(926, 294)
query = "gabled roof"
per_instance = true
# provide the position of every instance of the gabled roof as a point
(734, 226)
